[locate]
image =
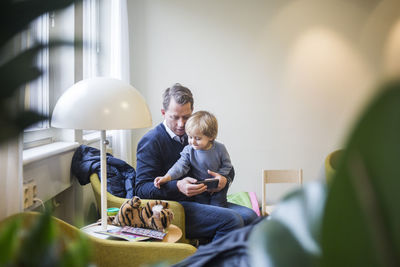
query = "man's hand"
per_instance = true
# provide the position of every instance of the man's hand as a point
(188, 188)
(222, 181)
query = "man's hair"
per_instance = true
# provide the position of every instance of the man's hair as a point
(204, 122)
(180, 93)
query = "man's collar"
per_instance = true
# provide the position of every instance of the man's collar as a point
(172, 134)
(169, 131)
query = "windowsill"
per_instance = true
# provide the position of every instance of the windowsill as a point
(92, 137)
(45, 151)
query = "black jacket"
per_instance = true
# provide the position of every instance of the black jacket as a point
(120, 175)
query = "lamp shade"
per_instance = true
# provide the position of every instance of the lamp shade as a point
(101, 103)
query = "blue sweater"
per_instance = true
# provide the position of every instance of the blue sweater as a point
(157, 152)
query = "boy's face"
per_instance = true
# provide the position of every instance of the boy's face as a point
(176, 116)
(199, 141)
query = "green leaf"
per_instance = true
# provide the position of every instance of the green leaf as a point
(290, 235)
(27, 118)
(39, 248)
(14, 124)
(24, 65)
(77, 253)
(9, 241)
(362, 218)
(40, 241)
(16, 15)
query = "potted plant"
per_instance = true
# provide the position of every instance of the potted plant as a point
(355, 219)
(40, 242)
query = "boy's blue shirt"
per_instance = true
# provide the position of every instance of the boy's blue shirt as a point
(215, 159)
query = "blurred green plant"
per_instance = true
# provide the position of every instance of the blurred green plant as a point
(355, 219)
(41, 244)
(15, 16)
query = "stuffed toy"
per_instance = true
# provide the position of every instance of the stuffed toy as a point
(154, 215)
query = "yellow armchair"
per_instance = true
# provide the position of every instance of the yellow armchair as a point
(113, 201)
(115, 253)
(331, 164)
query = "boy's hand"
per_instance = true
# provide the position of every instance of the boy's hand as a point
(158, 182)
(161, 180)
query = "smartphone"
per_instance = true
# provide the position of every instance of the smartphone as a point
(211, 183)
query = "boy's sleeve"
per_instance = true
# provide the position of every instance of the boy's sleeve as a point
(226, 165)
(182, 166)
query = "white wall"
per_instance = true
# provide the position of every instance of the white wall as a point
(285, 79)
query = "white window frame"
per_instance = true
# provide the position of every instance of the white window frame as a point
(91, 49)
(40, 31)
(37, 91)
(91, 38)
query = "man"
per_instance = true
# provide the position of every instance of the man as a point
(160, 148)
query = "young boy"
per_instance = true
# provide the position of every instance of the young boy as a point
(203, 153)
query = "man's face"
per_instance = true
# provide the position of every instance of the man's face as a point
(176, 116)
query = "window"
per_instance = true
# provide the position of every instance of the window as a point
(91, 40)
(62, 66)
(36, 93)
(91, 46)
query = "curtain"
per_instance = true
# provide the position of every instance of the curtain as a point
(120, 69)
(10, 178)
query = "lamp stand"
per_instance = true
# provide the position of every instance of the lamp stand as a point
(101, 100)
(103, 169)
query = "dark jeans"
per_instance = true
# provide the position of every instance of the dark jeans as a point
(215, 199)
(212, 222)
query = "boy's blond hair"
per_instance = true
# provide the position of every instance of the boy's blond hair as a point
(204, 122)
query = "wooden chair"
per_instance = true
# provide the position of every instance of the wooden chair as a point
(278, 177)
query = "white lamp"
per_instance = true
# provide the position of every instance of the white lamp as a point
(101, 104)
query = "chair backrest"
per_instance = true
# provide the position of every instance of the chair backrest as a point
(279, 177)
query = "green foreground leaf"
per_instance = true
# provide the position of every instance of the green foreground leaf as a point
(357, 223)
(290, 236)
(41, 240)
(39, 247)
(9, 242)
(362, 219)
(16, 15)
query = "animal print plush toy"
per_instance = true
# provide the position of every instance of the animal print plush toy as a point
(154, 215)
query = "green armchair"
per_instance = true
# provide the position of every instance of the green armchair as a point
(113, 201)
(114, 253)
